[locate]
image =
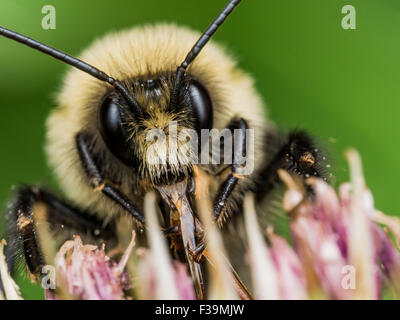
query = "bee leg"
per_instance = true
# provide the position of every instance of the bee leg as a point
(171, 231)
(230, 183)
(201, 252)
(299, 155)
(32, 205)
(197, 253)
(99, 183)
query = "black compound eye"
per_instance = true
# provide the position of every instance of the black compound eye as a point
(201, 105)
(113, 132)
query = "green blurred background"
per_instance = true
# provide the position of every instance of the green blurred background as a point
(341, 85)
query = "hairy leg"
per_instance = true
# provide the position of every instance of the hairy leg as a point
(99, 182)
(33, 204)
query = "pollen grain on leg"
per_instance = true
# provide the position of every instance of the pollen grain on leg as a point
(23, 221)
(99, 187)
(239, 176)
(308, 159)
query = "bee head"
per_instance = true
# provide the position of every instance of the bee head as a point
(161, 142)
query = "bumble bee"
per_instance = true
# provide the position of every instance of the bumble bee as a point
(123, 87)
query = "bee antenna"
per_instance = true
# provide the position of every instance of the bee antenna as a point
(79, 64)
(212, 28)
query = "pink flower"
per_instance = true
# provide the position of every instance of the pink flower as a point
(292, 278)
(339, 251)
(86, 272)
(336, 234)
